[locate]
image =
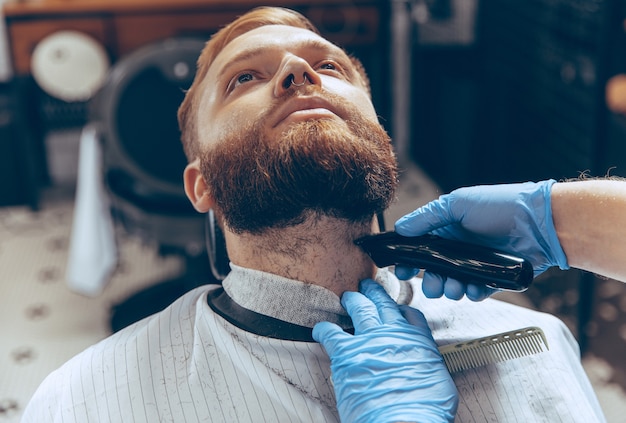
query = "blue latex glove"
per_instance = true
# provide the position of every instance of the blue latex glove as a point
(515, 218)
(390, 370)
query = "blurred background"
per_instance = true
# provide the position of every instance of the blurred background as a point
(472, 92)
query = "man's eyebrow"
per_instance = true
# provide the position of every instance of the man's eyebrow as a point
(242, 56)
(325, 46)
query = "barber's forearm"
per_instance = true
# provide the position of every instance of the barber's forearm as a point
(590, 221)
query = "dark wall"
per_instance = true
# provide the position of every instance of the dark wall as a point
(526, 101)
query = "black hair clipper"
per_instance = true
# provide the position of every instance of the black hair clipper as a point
(462, 261)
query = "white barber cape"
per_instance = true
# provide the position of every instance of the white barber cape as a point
(188, 364)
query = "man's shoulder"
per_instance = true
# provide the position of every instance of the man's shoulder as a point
(183, 310)
(175, 320)
(147, 336)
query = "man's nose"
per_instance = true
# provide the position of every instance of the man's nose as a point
(295, 72)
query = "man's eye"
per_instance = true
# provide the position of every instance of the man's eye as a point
(328, 66)
(243, 78)
(240, 79)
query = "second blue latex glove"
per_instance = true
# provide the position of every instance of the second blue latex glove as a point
(390, 370)
(515, 218)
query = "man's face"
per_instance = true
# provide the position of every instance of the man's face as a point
(272, 151)
(249, 75)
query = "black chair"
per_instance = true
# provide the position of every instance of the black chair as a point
(143, 161)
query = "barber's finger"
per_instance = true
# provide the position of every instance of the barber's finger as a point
(415, 318)
(432, 285)
(454, 289)
(387, 308)
(329, 335)
(362, 311)
(403, 273)
(424, 335)
(425, 219)
(479, 292)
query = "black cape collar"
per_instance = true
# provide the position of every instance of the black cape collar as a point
(256, 323)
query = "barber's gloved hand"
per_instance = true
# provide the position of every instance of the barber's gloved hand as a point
(514, 218)
(390, 370)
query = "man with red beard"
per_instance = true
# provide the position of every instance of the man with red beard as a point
(284, 145)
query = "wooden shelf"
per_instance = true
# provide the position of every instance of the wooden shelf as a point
(124, 25)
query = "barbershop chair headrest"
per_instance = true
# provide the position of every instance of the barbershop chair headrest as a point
(136, 113)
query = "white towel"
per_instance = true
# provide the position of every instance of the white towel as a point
(93, 251)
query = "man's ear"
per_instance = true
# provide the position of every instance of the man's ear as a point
(196, 187)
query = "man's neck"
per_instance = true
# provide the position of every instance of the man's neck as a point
(320, 251)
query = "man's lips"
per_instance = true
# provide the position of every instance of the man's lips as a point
(299, 108)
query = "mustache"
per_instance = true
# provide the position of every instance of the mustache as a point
(335, 101)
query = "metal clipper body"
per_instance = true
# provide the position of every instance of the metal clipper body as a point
(465, 262)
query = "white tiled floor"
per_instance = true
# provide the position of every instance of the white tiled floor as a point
(42, 323)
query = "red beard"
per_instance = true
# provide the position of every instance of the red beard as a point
(315, 167)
